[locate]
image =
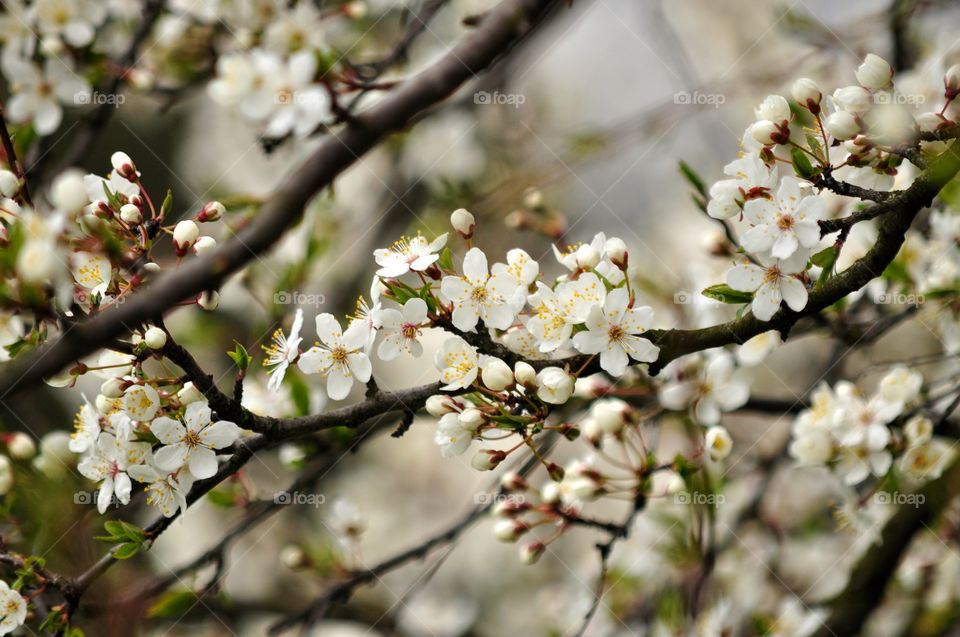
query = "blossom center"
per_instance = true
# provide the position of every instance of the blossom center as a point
(409, 330)
(339, 355)
(191, 439)
(479, 294)
(772, 274)
(615, 333)
(785, 222)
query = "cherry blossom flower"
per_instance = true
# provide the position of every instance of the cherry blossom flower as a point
(554, 385)
(771, 282)
(401, 329)
(140, 402)
(783, 225)
(108, 465)
(13, 609)
(86, 426)
(751, 179)
(92, 272)
(37, 94)
(458, 364)
(718, 443)
(74, 21)
(165, 491)
(283, 351)
(556, 311)
(416, 254)
(721, 388)
(520, 266)
(191, 443)
(454, 434)
(612, 332)
(582, 256)
(339, 356)
(477, 295)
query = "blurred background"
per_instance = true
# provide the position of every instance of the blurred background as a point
(579, 131)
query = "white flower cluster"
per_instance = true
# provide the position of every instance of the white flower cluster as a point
(850, 136)
(857, 435)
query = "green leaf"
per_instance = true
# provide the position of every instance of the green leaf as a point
(167, 204)
(173, 604)
(126, 551)
(814, 144)
(726, 294)
(691, 175)
(802, 165)
(826, 259)
(240, 356)
(445, 262)
(120, 531)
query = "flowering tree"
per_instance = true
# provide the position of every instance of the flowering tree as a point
(599, 398)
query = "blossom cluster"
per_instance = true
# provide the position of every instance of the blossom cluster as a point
(272, 62)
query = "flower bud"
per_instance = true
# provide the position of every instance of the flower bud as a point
(355, 10)
(185, 235)
(774, 108)
(463, 222)
(211, 212)
(487, 459)
(209, 300)
(9, 183)
(113, 387)
(509, 530)
(807, 94)
(21, 446)
(854, 99)
(130, 214)
(67, 193)
(918, 430)
(610, 415)
(768, 133)
(513, 481)
(496, 374)
(124, 166)
(532, 198)
(930, 122)
(587, 257)
(555, 386)
(843, 125)
(189, 394)
(531, 553)
(718, 442)
(203, 245)
(525, 374)
(438, 405)
(550, 493)
(616, 251)
(471, 418)
(104, 404)
(293, 557)
(6, 475)
(951, 82)
(510, 507)
(874, 73)
(155, 338)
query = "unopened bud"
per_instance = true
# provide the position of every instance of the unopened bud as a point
(155, 338)
(463, 222)
(124, 166)
(130, 214)
(211, 212)
(185, 235)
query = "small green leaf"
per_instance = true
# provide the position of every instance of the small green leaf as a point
(802, 165)
(126, 551)
(167, 204)
(726, 294)
(240, 356)
(173, 604)
(691, 175)
(445, 262)
(826, 259)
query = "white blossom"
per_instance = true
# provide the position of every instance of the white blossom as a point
(339, 356)
(192, 443)
(283, 350)
(458, 363)
(415, 254)
(401, 329)
(771, 282)
(477, 295)
(613, 332)
(783, 225)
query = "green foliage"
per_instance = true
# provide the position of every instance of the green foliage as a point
(726, 294)
(128, 539)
